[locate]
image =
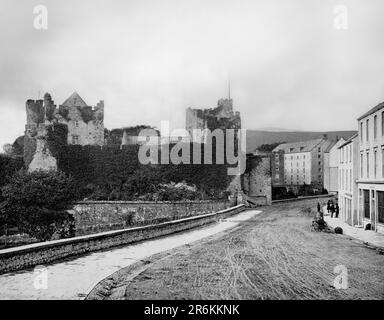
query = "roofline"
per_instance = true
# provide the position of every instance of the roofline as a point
(371, 111)
(348, 141)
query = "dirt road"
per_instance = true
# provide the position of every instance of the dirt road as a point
(275, 255)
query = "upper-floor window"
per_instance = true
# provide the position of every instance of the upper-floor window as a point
(361, 131)
(382, 163)
(319, 149)
(367, 130)
(375, 127)
(375, 163)
(75, 139)
(367, 164)
(382, 123)
(361, 164)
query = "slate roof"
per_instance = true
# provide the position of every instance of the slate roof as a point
(74, 101)
(295, 147)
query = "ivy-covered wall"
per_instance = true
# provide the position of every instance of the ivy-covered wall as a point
(109, 169)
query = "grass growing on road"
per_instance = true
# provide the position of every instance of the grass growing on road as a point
(275, 255)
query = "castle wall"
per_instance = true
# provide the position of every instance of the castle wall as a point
(85, 127)
(257, 182)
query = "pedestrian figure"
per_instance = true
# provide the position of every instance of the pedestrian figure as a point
(329, 206)
(318, 207)
(332, 208)
(337, 210)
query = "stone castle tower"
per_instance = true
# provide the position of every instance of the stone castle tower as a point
(222, 117)
(85, 127)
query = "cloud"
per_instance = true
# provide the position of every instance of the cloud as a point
(150, 60)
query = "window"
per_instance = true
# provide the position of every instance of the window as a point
(367, 164)
(301, 148)
(361, 131)
(380, 206)
(382, 123)
(367, 130)
(375, 126)
(75, 139)
(362, 164)
(367, 205)
(382, 163)
(76, 123)
(319, 169)
(319, 149)
(319, 156)
(375, 163)
(277, 176)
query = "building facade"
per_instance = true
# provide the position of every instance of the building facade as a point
(300, 163)
(331, 166)
(370, 181)
(347, 186)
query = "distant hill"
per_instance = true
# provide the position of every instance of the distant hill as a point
(256, 138)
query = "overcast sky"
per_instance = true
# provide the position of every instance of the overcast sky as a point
(150, 60)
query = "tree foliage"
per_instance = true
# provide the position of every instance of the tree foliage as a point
(37, 203)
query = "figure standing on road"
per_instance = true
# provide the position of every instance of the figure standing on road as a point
(332, 208)
(329, 206)
(318, 207)
(337, 210)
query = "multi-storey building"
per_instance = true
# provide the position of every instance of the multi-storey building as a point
(331, 166)
(370, 181)
(300, 163)
(347, 187)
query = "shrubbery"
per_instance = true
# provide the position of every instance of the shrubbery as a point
(37, 203)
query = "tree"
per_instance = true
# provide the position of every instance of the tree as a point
(8, 149)
(37, 203)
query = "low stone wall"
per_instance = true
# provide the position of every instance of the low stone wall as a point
(303, 198)
(98, 216)
(41, 253)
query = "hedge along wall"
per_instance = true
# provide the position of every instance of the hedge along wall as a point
(98, 216)
(111, 166)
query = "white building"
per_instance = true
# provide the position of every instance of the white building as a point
(331, 166)
(371, 168)
(303, 162)
(348, 173)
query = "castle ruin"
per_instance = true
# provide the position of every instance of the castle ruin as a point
(222, 117)
(85, 127)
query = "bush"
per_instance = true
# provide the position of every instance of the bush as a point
(176, 192)
(37, 203)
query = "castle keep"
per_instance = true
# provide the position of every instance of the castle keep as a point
(85, 126)
(222, 117)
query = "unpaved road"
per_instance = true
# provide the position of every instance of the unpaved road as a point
(274, 255)
(73, 278)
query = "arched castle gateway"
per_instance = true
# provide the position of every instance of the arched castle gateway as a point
(85, 127)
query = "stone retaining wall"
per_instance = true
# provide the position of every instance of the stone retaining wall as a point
(99, 216)
(41, 253)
